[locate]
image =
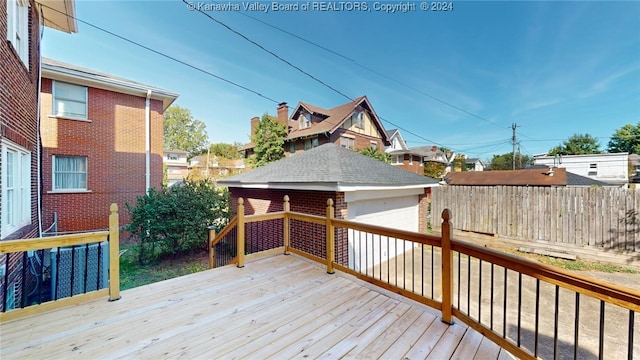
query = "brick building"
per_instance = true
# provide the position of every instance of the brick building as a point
(102, 143)
(19, 142)
(353, 125)
(362, 189)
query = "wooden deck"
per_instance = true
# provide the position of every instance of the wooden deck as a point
(276, 307)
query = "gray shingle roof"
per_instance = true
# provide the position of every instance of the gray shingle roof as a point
(329, 164)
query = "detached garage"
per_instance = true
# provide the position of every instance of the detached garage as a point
(363, 189)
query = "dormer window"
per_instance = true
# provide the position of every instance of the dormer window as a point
(305, 120)
(358, 119)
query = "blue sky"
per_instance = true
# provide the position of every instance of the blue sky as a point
(553, 68)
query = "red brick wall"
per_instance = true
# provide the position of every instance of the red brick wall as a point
(114, 143)
(423, 205)
(414, 167)
(304, 236)
(18, 103)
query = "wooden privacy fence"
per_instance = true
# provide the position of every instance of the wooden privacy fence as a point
(605, 218)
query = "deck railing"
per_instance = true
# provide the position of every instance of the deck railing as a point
(52, 272)
(530, 309)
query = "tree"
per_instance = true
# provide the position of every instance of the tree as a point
(626, 139)
(577, 144)
(434, 170)
(227, 151)
(268, 141)
(176, 219)
(374, 153)
(505, 162)
(183, 132)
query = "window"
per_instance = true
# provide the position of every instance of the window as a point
(16, 187)
(374, 145)
(307, 144)
(69, 173)
(69, 100)
(347, 142)
(314, 142)
(18, 28)
(172, 156)
(305, 120)
(292, 147)
(593, 170)
(358, 119)
(398, 159)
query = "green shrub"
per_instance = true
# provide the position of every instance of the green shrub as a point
(176, 219)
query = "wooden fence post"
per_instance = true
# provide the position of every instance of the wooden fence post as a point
(447, 271)
(331, 246)
(114, 253)
(212, 249)
(241, 239)
(287, 208)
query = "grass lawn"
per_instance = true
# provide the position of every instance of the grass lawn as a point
(133, 275)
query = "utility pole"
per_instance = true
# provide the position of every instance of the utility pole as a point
(513, 142)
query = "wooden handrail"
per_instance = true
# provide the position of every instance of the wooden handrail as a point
(612, 293)
(232, 223)
(393, 233)
(10, 246)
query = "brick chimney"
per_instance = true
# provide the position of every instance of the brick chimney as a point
(283, 113)
(254, 124)
(434, 148)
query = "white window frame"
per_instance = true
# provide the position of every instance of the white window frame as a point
(373, 144)
(347, 142)
(18, 28)
(16, 206)
(56, 111)
(358, 119)
(53, 175)
(305, 120)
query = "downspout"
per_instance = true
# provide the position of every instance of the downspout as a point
(147, 138)
(38, 144)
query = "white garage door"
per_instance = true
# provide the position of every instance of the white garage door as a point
(398, 212)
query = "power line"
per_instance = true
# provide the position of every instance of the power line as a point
(165, 55)
(268, 51)
(372, 70)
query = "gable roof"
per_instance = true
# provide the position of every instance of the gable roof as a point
(57, 70)
(329, 167)
(524, 177)
(334, 118)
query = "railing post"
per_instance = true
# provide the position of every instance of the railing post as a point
(212, 249)
(287, 208)
(447, 272)
(114, 253)
(241, 239)
(331, 246)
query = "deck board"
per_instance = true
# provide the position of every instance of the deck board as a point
(277, 307)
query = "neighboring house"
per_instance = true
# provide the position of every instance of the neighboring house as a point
(363, 189)
(20, 35)
(401, 155)
(353, 125)
(537, 176)
(474, 164)
(216, 168)
(102, 143)
(634, 167)
(610, 168)
(175, 165)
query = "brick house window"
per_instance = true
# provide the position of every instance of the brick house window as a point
(292, 147)
(314, 142)
(69, 173)
(172, 156)
(307, 144)
(69, 100)
(398, 159)
(305, 121)
(358, 119)
(18, 28)
(347, 142)
(374, 144)
(16, 187)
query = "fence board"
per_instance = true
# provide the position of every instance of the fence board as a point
(598, 217)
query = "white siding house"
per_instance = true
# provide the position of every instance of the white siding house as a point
(610, 168)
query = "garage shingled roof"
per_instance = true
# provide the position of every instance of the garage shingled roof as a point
(332, 165)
